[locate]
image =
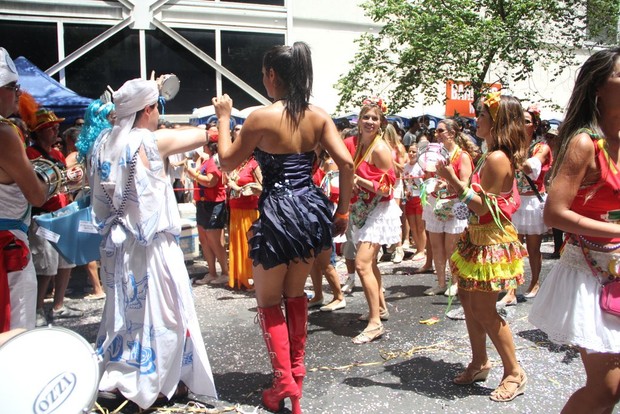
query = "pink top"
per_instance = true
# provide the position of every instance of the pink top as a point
(213, 194)
(381, 180)
(246, 176)
(600, 201)
(507, 202)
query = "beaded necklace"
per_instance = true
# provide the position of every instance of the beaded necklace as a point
(613, 269)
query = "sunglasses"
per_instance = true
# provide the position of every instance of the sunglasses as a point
(16, 87)
(440, 131)
(237, 129)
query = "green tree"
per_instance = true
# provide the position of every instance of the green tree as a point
(424, 43)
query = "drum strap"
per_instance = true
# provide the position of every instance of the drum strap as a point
(13, 224)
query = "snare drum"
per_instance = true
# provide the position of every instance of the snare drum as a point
(34, 381)
(430, 155)
(50, 173)
(169, 85)
(330, 184)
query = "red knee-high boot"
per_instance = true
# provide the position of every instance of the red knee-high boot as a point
(297, 322)
(275, 333)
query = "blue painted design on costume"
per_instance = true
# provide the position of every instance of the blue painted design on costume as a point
(104, 170)
(141, 357)
(135, 291)
(116, 349)
(188, 359)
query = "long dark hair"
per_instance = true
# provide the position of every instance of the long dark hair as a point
(582, 111)
(293, 65)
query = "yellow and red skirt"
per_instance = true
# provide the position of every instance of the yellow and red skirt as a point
(488, 258)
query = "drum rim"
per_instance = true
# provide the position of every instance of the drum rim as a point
(90, 402)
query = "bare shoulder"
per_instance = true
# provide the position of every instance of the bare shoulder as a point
(497, 164)
(11, 141)
(582, 144)
(382, 155)
(318, 111)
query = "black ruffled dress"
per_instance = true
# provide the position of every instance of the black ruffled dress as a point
(295, 218)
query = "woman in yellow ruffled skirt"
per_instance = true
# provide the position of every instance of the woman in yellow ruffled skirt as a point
(489, 256)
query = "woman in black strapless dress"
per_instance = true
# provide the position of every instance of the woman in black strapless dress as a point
(295, 221)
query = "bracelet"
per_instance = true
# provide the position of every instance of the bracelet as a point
(469, 196)
(344, 216)
(465, 192)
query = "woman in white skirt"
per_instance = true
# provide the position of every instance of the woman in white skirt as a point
(443, 227)
(583, 201)
(373, 182)
(528, 219)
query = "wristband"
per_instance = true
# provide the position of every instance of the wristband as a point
(469, 196)
(465, 193)
(344, 216)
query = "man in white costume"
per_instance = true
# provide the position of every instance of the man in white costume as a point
(19, 187)
(149, 337)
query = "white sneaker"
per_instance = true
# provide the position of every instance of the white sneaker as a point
(398, 255)
(452, 290)
(349, 284)
(41, 319)
(220, 280)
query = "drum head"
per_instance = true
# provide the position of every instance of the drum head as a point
(169, 86)
(48, 370)
(430, 155)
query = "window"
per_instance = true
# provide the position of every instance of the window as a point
(165, 55)
(110, 63)
(242, 54)
(35, 41)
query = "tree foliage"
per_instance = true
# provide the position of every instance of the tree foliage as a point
(424, 43)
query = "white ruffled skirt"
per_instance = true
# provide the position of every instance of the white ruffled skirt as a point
(567, 306)
(382, 226)
(528, 219)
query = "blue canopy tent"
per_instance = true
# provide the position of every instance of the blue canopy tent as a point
(49, 93)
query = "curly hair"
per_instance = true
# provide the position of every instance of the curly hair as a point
(461, 139)
(95, 121)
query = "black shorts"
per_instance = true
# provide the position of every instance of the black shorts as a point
(211, 214)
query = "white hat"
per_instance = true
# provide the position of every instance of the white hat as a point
(8, 72)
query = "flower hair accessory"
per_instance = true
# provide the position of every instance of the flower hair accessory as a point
(376, 101)
(491, 101)
(534, 110)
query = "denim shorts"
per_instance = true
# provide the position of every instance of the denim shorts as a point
(211, 214)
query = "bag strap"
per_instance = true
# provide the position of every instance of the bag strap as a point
(533, 187)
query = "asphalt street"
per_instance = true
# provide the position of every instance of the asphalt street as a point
(409, 370)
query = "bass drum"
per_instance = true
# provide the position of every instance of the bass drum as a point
(48, 370)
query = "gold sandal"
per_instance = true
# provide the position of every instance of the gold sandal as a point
(504, 394)
(369, 335)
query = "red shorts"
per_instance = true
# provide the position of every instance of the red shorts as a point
(413, 206)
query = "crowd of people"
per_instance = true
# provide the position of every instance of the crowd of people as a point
(276, 197)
